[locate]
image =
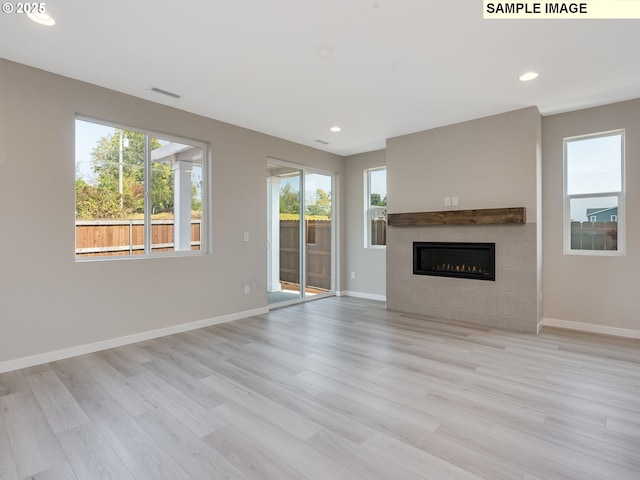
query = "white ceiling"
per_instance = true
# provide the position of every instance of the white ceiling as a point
(399, 66)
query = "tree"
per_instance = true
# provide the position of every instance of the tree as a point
(161, 187)
(95, 202)
(196, 194)
(323, 199)
(377, 201)
(289, 199)
(320, 205)
(106, 158)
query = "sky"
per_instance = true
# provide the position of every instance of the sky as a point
(593, 166)
(87, 135)
(379, 182)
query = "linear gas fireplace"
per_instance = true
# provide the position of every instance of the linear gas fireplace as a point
(455, 259)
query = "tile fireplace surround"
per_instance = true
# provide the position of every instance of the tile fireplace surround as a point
(509, 302)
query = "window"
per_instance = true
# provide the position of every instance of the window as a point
(137, 193)
(376, 207)
(594, 194)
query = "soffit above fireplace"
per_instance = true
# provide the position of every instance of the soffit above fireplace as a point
(487, 216)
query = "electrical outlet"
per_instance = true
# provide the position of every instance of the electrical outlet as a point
(447, 201)
(353, 275)
(245, 237)
(454, 201)
(247, 289)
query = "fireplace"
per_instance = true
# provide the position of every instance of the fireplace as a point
(455, 259)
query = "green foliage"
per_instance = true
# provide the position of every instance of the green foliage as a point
(96, 202)
(106, 158)
(161, 188)
(320, 205)
(289, 200)
(196, 195)
(377, 201)
(323, 199)
(316, 210)
(132, 197)
(100, 197)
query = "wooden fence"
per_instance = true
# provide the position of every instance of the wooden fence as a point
(318, 253)
(594, 235)
(125, 237)
(96, 238)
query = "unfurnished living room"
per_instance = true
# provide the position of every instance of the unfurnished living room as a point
(319, 240)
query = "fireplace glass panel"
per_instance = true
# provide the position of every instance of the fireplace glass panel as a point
(460, 260)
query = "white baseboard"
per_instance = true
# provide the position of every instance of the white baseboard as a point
(591, 328)
(126, 340)
(368, 296)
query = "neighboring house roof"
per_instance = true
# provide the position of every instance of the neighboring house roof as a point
(596, 211)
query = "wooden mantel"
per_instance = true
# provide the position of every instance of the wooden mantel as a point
(487, 216)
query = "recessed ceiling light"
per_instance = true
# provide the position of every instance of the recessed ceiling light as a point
(42, 18)
(324, 51)
(335, 128)
(525, 77)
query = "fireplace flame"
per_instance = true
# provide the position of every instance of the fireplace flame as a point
(448, 267)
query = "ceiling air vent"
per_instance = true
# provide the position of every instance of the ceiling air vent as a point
(165, 92)
(322, 142)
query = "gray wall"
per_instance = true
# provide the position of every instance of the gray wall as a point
(491, 162)
(589, 289)
(368, 264)
(488, 163)
(50, 302)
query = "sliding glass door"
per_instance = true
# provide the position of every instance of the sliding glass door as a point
(319, 234)
(300, 234)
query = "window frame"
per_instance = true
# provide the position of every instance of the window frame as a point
(205, 224)
(368, 208)
(621, 195)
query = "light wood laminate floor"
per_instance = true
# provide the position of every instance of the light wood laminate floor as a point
(337, 388)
